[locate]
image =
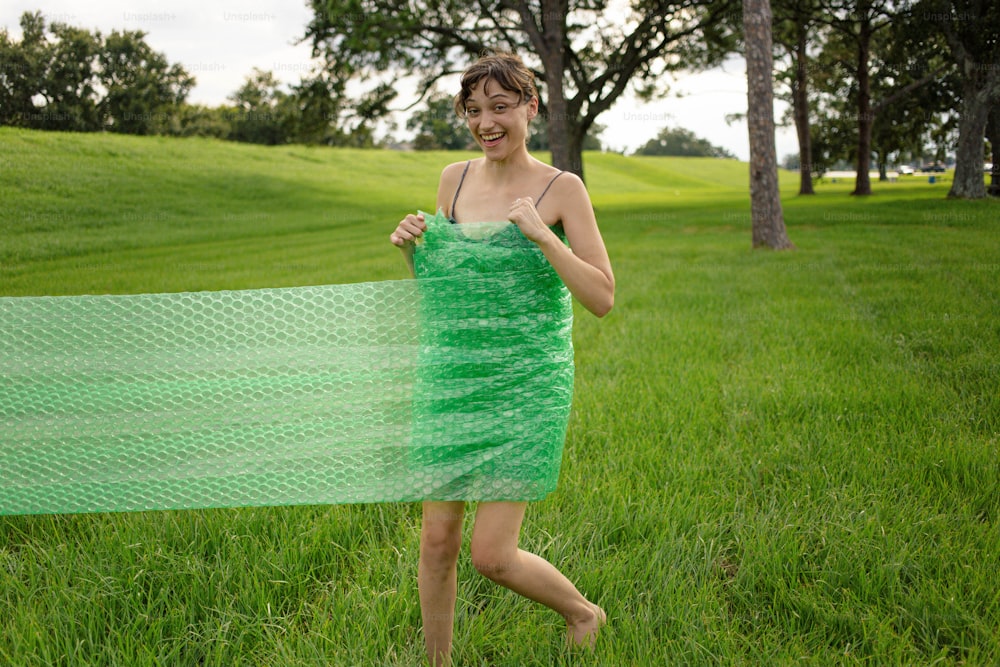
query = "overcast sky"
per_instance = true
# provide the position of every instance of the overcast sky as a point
(219, 42)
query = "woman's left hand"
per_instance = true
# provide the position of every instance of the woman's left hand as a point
(524, 214)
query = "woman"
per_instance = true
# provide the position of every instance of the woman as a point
(498, 99)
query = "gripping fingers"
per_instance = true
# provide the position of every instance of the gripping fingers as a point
(408, 230)
(524, 214)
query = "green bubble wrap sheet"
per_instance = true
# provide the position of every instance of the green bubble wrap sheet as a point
(453, 386)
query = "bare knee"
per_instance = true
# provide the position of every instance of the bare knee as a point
(440, 545)
(494, 561)
(494, 540)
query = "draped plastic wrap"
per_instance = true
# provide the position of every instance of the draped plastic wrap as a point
(495, 377)
(453, 386)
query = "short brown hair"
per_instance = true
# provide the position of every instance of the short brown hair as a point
(504, 68)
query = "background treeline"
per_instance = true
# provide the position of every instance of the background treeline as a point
(868, 82)
(60, 77)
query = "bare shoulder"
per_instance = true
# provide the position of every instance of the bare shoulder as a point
(576, 213)
(452, 173)
(545, 172)
(454, 170)
(570, 184)
(448, 183)
(570, 194)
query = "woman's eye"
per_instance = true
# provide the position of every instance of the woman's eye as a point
(500, 108)
(472, 112)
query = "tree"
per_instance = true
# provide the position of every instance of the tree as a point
(63, 78)
(913, 90)
(859, 21)
(765, 202)
(438, 126)
(52, 65)
(142, 89)
(260, 104)
(22, 68)
(196, 120)
(682, 142)
(908, 100)
(583, 54)
(834, 134)
(972, 31)
(794, 22)
(317, 109)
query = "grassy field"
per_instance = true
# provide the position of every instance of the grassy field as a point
(773, 458)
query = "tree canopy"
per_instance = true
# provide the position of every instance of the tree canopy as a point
(584, 56)
(682, 142)
(60, 77)
(438, 127)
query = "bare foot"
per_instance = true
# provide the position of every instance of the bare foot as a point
(584, 632)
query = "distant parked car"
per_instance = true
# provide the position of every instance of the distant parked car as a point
(905, 170)
(988, 167)
(938, 168)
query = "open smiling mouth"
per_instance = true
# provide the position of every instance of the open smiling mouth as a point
(493, 139)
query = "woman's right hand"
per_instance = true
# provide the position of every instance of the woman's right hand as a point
(408, 231)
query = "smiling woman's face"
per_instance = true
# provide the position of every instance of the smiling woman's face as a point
(497, 118)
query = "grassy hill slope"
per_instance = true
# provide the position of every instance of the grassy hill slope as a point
(158, 214)
(773, 458)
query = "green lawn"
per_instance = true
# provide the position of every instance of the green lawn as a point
(773, 458)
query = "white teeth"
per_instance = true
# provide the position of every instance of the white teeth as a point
(492, 137)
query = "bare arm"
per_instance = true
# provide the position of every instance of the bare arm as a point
(405, 236)
(413, 226)
(584, 266)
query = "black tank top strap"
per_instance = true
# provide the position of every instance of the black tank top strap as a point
(457, 190)
(547, 188)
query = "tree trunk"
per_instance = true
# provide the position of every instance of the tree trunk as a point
(800, 110)
(562, 127)
(968, 182)
(574, 149)
(765, 203)
(565, 136)
(993, 135)
(978, 61)
(862, 182)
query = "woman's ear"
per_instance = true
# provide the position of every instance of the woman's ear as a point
(532, 107)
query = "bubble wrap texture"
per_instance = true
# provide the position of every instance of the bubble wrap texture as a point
(453, 386)
(495, 379)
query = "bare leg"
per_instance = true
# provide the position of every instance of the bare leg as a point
(437, 576)
(495, 554)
